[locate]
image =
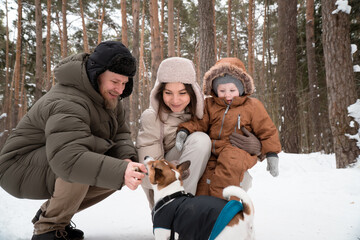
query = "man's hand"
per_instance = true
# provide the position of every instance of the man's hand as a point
(272, 164)
(247, 142)
(180, 139)
(134, 174)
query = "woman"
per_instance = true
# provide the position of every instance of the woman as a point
(175, 98)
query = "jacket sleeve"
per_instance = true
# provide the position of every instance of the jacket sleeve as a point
(124, 147)
(149, 140)
(73, 151)
(197, 125)
(264, 129)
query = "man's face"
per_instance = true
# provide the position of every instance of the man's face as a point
(111, 86)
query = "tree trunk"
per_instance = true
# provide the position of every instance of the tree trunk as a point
(314, 103)
(101, 21)
(85, 38)
(287, 75)
(214, 21)
(251, 59)
(221, 39)
(17, 68)
(124, 26)
(228, 47)
(57, 20)
(39, 55)
(7, 100)
(260, 88)
(142, 70)
(48, 52)
(135, 95)
(22, 94)
(155, 44)
(341, 88)
(207, 53)
(178, 33)
(162, 29)
(64, 29)
(124, 39)
(235, 39)
(171, 38)
(197, 60)
(273, 98)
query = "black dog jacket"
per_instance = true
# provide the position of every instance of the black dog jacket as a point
(191, 218)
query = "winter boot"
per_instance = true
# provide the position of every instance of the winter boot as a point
(53, 235)
(71, 232)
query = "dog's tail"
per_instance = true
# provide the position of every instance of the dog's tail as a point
(235, 191)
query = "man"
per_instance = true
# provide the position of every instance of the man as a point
(73, 147)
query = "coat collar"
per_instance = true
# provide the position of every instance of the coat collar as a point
(237, 101)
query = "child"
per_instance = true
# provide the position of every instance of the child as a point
(227, 110)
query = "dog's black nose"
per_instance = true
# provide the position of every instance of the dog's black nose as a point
(148, 158)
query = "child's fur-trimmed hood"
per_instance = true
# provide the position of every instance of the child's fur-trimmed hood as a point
(229, 66)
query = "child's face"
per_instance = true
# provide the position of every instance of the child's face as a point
(227, 91)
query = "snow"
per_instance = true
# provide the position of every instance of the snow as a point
(354, 111)
(353, 48)
(356, 68)
(342, 5)
(310, 199)
(3, 115)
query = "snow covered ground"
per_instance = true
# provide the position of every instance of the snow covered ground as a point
(310, 199)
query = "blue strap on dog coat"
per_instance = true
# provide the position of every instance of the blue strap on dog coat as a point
(228, 212)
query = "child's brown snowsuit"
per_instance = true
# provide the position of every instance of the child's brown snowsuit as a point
(228, 163)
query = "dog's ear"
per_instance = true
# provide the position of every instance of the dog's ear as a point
(183, 166)
(184, 169)
(158, 175)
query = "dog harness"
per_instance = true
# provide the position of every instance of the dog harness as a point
(193, 218)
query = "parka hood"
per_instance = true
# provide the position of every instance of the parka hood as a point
(71, 71)
(228, 66)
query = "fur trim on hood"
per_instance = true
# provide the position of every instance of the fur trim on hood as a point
(230, 66)
(177, 69)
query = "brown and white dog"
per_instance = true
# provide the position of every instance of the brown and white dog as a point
(178, 215)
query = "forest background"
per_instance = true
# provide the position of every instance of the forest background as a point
(302, 55)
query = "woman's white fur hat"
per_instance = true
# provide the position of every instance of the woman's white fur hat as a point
(178, 69)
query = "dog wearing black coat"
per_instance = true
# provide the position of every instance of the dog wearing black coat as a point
(179, 215)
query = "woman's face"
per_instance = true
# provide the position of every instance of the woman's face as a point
(176, 97)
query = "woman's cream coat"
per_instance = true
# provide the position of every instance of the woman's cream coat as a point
(155, 138)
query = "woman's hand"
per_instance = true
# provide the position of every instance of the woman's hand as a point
(180, 139)
(247, 142)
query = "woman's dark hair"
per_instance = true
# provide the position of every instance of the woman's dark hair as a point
(191, 107)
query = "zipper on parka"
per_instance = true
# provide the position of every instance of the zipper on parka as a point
(238, 123)
(222, 124)
(223, 119)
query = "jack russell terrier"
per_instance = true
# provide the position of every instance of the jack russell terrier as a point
(180, 215)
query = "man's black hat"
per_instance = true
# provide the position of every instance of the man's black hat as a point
(115, 57)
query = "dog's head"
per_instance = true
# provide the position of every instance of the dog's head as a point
(162, 173)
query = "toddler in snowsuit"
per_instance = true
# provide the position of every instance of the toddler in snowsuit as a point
(228, 110)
